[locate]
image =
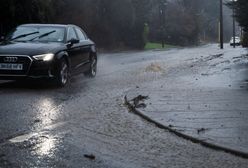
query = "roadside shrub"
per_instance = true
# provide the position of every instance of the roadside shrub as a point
(245, 40)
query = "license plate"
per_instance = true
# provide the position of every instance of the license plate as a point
(17, 67)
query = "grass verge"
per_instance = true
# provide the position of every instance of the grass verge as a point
(150, 46)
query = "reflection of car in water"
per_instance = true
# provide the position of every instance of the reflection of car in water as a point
(47, 51)
(237, 41)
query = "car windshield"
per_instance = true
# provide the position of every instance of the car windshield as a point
(37, 34)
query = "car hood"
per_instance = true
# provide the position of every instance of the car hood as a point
(30, 49)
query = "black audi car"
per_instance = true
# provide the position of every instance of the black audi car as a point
(47, 51)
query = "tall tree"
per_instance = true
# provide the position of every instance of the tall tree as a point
(240, 8)
(241, 14)
(142, 11)
(15, 12)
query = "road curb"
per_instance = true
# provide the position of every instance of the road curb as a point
(185, 136)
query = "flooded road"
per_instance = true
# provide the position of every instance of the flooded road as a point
(87, 125)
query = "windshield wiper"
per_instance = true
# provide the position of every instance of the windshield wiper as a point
(24, 35)
(43, 35)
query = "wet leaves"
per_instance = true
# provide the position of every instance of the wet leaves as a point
(141, 105)
(37, 121)
(91, 156)
(201, 130)
(204, 74)
(138, 101)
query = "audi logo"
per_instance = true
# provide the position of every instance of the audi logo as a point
(10, 59)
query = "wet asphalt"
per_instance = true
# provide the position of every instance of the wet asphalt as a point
(87, 125)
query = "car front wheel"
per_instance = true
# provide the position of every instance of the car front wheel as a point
(93, 67)
(62, 76)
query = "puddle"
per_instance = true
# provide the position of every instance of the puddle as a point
(26, 137)
(47, 146)
(23, 138)
(41, 144)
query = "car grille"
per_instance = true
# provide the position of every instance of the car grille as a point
(26, 61)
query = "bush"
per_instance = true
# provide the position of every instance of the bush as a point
(245, 40)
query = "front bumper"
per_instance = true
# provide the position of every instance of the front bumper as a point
(31, 69)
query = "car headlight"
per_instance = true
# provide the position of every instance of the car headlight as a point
(44, 57)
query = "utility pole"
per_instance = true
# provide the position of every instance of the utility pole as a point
(162, 7)
(241, 32)
(234, 34)
(234, 28)
(221, 24)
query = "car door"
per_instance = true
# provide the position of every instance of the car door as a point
(74, 50)
(85, 47)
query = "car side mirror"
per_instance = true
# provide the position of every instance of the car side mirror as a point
(72, 42)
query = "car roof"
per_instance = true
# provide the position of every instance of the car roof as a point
(47, 25)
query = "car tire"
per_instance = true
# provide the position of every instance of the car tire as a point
(62, 75)
(93, 67)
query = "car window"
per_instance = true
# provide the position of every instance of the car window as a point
(81, 36)
(71, 34)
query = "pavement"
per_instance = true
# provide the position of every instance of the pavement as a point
(205, 98)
